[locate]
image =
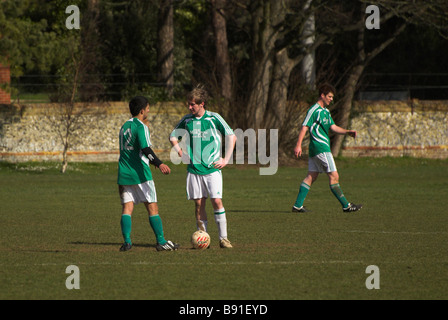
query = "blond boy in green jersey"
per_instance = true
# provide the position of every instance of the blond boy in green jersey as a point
(318, 122)
(135, 183)
(204, 131)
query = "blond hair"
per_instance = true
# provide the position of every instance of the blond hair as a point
(198, 95)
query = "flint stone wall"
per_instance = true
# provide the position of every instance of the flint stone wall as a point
(28, 132)
(395, 128)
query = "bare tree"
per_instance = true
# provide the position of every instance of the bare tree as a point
(165, 47)
(404, 12)
(308, 64)
(222, 50)
(90, 85)
(66, 117)
(281, 37)
(272, 61)
(79, 82)
(355, 72)
(68, 120)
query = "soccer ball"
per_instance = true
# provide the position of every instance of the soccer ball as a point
(200, 240)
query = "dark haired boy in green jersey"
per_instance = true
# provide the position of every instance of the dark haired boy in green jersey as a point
(135, 183)
(318, 122)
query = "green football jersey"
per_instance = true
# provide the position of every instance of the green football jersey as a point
(203, 139)
(133, 165)
(319, 121)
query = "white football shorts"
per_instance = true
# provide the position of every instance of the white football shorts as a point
(143, 192)
(204, 186)
(323, 162)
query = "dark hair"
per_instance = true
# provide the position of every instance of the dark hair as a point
(326, 89)
(136, 104)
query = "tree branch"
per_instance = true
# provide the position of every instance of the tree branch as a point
(372, 54)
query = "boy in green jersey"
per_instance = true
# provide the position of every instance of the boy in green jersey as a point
(203, 131)
(318, 122)
(135, 183)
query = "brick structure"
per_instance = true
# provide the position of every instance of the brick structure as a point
(5, 77)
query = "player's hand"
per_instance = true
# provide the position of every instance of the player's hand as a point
(164, 169)
(221, 163)
(352, 133)
(298, 151)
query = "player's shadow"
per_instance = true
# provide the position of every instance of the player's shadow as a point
(254, 211)
(143, 245)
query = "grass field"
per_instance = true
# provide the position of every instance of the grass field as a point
(51, 220)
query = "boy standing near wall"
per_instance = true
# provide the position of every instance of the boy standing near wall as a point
(204, 131)
(318, 122)
(135, 183)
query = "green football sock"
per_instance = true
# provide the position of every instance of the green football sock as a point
(303, 191)
(126, 227)
(156, 225)
(337, 191)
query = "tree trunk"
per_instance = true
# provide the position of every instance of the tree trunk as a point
(308, 66)
(355, 74)
(65, 142)
(64, 162)
(90, 87)
(345, 105)
(350, 87)
(276, 108)
(271, 65)
(267, 14)
(222, 53)
(165, 48)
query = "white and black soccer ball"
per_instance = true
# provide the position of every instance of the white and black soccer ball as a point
(200, 240)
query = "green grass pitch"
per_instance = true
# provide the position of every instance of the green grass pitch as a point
(51, 220)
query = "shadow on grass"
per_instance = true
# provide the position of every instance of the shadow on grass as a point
(255, 211)
(143, 245)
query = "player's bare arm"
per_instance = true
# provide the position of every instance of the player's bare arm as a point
(176, 146)
(183, 155)
(154, 160)
(298, 148)
(230, 145)
(339, 130)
